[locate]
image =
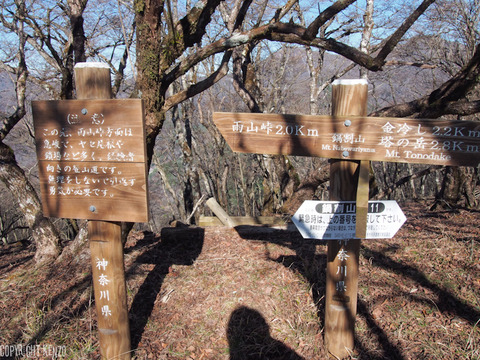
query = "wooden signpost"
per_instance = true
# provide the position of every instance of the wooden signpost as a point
(348, 181)
(351, 140)
(92, 165)
(339, 136)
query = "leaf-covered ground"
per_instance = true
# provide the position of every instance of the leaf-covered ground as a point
(217, 293)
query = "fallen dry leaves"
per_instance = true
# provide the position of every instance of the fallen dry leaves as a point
(216, 293)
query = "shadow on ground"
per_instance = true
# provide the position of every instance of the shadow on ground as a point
(312, 265)
(177, 246)
(306, 261)
(447, 302)
(248, 336)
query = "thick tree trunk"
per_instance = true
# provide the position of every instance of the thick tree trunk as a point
(469, 188)
(149, 57)
(77, 7)
(306, 190)
(77, 250)
(458, 183)
(44, 234)
(279, 184)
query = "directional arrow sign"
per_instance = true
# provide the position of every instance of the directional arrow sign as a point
(425, 141)
(336, 220)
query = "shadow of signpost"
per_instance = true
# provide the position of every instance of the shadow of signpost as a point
(178, 246)
(306, 261)
(311, 263)
(447, 302)
(388, 349)
(312, 267)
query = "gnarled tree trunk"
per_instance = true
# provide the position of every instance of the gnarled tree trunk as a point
(458, 188)
(44, 234)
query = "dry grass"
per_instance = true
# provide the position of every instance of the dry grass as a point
(219, 294)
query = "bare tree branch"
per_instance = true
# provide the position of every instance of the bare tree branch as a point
(197, 88)
(326, 15)
(443, 100)
(22, 74)
(410, 63)
(384, 193)
(392, 42)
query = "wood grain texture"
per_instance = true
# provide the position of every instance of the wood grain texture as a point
(92, 159)
(109, 197)
(109, 289)
(422, 141)
(107, 249)
(342, 256)
(271, 221)
(108, 127)
(362, 198)
(221, 214)
(90, 80)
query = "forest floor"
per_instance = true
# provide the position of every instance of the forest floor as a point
(216, 293)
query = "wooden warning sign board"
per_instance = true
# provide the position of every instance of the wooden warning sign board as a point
(423, 141)
(92, 159)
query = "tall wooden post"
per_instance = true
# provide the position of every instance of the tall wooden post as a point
(348, 98)
(93, 82)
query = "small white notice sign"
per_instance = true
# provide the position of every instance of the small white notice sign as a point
(336, 220)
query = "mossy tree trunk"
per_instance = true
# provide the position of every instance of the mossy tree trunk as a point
(158, 47)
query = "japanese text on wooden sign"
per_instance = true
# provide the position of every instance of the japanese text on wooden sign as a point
(92, 159)
(441, 142)
(103, 280)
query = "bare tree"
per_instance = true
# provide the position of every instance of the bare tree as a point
(51, 39)
(44, 233)
(159, 69)
(459, 95)
(181, 52)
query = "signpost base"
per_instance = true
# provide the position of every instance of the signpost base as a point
(109, 287)
(341, 296)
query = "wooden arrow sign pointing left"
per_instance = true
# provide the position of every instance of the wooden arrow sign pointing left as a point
(423, 141)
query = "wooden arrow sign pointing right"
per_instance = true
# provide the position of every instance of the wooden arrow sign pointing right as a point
(423, 141)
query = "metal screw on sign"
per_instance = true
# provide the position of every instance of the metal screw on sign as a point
(345, 153)
(93, 209)
(84, 111)
(347, 123)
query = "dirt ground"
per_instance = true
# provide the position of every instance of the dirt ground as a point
(217, 293)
